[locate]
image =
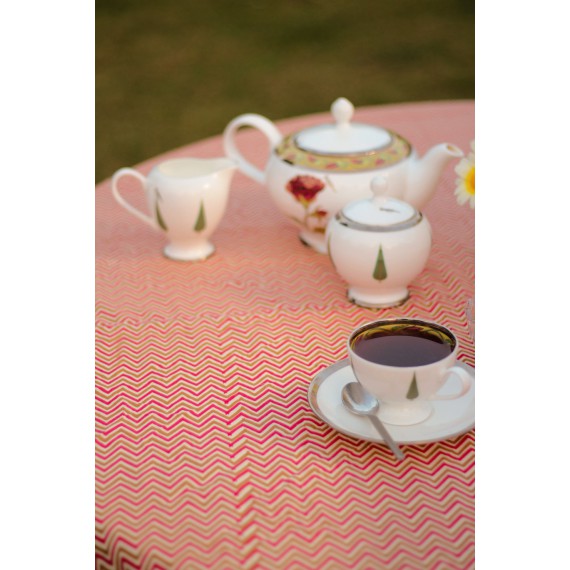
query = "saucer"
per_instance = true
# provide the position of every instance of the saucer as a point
(449, 418)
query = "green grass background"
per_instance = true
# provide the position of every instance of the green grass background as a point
(171, 72)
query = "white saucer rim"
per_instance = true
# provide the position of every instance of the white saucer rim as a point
(324, 374)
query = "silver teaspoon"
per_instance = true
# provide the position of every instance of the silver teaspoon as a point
(360, 402)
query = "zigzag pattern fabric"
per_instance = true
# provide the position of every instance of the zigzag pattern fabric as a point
(207, 452)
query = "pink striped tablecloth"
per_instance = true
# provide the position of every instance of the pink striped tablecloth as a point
(207, 452)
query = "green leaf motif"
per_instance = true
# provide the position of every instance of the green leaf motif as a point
(413, 392)
(380, 272)
(159, 217)
(200, 224)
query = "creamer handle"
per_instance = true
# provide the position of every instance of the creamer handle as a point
(114, 187)
(230, 147)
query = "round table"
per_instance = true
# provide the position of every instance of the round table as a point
(208, 454)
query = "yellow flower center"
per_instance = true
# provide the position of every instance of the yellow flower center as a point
(470, 181)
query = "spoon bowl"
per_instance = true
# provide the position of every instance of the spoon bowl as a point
(360, 402)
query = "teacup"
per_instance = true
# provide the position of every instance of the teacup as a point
(404, 363)
(187, 198)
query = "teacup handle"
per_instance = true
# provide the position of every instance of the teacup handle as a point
(249, 120)
(466, 383)
(115, 188)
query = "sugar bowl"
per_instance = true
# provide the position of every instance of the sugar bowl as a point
(378, 246)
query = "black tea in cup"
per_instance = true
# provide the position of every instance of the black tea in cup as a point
(403, 343)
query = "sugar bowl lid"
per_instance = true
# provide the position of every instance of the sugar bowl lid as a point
(380, 213)
(343, 145)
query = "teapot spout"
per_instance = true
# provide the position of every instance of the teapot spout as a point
(426, 171)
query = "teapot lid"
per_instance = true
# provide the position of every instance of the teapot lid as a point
(380, 213)
(343, 137)
(343, 146)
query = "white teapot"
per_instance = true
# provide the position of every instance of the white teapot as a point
(378, 246)
(313, 173)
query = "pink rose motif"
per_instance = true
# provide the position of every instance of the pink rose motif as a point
(305, 188)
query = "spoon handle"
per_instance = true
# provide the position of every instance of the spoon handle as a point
(381, 429)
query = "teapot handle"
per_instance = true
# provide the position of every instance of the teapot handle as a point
(230, 147)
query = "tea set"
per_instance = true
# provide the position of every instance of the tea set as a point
(349, 187)
(313, 173)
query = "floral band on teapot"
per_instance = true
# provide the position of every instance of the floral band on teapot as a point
(398, 149)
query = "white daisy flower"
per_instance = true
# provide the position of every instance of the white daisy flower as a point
(465, 183)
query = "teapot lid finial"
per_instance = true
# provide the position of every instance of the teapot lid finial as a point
(342, 110)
